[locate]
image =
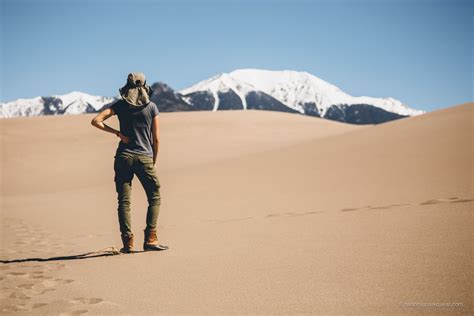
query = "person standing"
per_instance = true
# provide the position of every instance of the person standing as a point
(136, 154)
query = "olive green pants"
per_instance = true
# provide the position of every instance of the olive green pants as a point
(126, 165)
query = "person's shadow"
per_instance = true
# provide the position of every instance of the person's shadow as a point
(106, 252)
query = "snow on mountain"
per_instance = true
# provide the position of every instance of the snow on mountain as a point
(297, 90)
(22, 107)
(222, 83)
(71, 103)
(244, 89)
(76, 102)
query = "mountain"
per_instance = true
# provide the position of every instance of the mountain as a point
(167, 99)
(79, 102)
(223, 92)
(247, 89)
(291, 91)
(71, 103)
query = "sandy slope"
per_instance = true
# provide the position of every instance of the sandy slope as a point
(264, 213)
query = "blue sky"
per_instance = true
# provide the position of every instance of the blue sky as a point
(417, 51)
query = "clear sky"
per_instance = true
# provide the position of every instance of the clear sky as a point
(417, 51)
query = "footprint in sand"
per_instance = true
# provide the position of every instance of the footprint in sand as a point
(17, 273)
(233, 220)
(27, 235)
(17, 290)
(49, 284)
(14, 308)
(19, 295)
(370, 207)
(87, 300)
(311, 213)
(67, 281)
(40, 277)
(446, 200)
(429, 202)
(350, 209)
(273, 215)
(379, 207)
(292, 214)
(435, 201)
(461, 201)
(46, 291)
(38, 305)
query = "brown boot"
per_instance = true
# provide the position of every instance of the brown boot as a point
(151, 241)
(127, 241)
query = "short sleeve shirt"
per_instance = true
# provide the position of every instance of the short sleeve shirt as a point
(136, 124)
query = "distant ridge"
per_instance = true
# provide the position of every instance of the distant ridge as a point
(297, 91)
(243, 89)
(71, 103)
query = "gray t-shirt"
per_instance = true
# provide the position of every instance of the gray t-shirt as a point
(136, 124)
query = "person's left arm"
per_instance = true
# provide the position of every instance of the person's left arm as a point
(98, 121)
(156, 138)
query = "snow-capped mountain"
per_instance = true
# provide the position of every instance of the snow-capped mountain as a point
(71, 103)
(244, 89)
(299, 91)
(222, 83)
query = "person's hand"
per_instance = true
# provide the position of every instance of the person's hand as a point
(123, 138)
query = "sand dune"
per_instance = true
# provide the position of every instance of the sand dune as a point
(264, 212)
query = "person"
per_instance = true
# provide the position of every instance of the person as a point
(136, 154)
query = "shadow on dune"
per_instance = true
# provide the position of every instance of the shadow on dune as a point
(110, 251)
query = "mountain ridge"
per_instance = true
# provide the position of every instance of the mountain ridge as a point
(293, 88)
(242, 89)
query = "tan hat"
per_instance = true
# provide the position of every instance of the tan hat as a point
(136, 91)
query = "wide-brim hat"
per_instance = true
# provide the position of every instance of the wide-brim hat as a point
(136, 92)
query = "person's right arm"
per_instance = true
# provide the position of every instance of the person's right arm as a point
(98, 121)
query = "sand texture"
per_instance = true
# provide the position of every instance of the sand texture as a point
(264, 213)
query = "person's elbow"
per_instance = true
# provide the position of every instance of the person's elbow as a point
(95, 122)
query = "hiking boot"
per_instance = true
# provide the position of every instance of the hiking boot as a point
(151, 241)
(127, 241)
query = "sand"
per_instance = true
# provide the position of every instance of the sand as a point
(264, 212)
